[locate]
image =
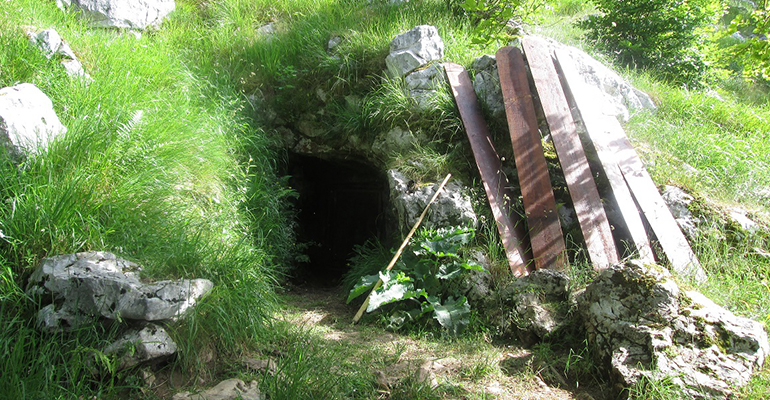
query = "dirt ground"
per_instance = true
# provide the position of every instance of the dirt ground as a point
(484, 370)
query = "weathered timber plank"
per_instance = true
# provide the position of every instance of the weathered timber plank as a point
(597, 127)
(669, 235)
(582, 188)
(545, 232)
(490, 169)
(665, 227)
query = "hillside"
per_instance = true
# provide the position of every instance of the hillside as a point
(252, 143)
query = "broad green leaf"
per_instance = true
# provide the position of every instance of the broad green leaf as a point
(365, 284)
(391, 291)
(453, 316)
(449, 270)
(473, 266)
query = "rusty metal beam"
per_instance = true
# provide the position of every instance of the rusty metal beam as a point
(490, 169)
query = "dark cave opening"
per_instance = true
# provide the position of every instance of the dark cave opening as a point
(341, 204)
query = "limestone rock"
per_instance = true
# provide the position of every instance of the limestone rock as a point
(414, 49)
(486, 84)
(230, 389)
(28, 122)
(52, 45)
(396, 140)
(740, 218)
(678, 201)
(619, 97)
(477, 285)
(642, 324)
(538, 304)
(85, 286)
(137, 346)
(452, 207)
(421, 85)
(129, 14)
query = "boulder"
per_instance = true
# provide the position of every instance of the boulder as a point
(230, 389)
(85, 286)
(453, 206)
(28, 122)
(414, 49)
(136, 346)
(129, 14)
(486, 84)
(536, 305)
(641, 324)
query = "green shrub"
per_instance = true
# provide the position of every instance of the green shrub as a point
(754, 53)
(660, 35)
(497, 20)
(424, 282)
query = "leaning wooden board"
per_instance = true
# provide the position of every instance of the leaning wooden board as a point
(490, 169)
(582, 188)
(545, 234)
(597, 127)
(606, 130)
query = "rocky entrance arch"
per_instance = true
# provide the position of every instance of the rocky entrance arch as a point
(341, 204)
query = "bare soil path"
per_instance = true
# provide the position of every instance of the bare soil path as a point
(472, 367)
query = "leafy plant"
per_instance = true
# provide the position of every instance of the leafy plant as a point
(424, 282)
(498, 20)
(661, 35)
(755, 51)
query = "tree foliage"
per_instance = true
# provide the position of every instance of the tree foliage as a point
(755, 51)
(660, 35)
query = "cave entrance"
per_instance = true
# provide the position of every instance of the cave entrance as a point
(341, 204)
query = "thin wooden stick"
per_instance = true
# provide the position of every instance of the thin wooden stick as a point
(401, 249)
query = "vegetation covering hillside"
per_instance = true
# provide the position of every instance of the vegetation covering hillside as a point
(171, 161)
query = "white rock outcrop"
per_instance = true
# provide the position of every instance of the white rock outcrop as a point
(128, 14)
(28, 122)
(642, 325)
(453, 207)
(414, 49)
(86, 286)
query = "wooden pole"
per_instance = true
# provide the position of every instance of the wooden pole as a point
(401, 249)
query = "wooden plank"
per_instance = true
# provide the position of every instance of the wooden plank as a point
(545, 232)
(490, 169)
(666, 229)
(673, 242)
(597, 127)
(582, 188)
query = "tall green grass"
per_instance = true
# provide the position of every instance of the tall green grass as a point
(161, 164)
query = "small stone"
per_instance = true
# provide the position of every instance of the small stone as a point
(425, 376)
(150, 343)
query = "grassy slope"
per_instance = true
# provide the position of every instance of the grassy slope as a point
(190, 190)
(179, 190)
